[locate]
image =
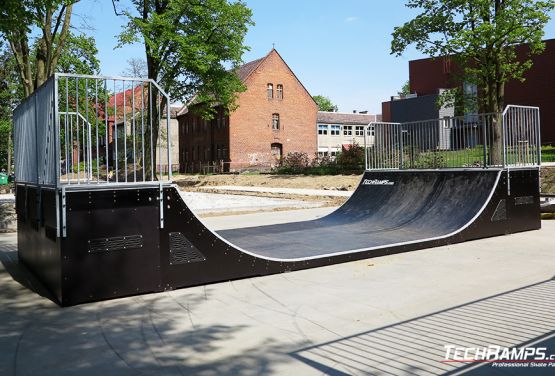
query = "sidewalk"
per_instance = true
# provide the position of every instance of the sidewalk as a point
(388, 315)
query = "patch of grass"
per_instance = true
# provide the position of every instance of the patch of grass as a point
(548, 153)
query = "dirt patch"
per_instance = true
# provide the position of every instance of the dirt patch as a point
(201, 183)
(547, 179)
(331, 182)
(8, 220)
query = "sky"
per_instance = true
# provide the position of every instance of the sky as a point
(337, 48)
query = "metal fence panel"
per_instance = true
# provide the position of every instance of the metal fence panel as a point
(470, 141)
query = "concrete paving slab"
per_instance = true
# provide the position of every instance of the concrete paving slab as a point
(387, 315)
(7, 197)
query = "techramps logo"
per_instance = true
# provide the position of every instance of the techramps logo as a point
(377, 182)
(500, 356)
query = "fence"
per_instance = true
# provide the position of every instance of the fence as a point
(84, 130)
(471, 141)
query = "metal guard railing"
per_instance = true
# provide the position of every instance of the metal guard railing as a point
(79, 130)
(510, 139)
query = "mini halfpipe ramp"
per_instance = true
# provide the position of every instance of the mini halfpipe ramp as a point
(127, 241)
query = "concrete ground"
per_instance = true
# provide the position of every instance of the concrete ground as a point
(390, 315)
(214, 202)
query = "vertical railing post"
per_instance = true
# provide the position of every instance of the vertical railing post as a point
(168, 137)
(503, 137)
(365, 146)
(485, 138)
(401, 146)
(538, 138)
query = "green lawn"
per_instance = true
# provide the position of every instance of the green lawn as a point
(548, 153)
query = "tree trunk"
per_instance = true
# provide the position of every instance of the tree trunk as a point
(31, 73)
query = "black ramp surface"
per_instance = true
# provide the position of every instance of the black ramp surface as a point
(387, 208)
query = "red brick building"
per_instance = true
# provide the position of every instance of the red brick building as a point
(428, 76)
(275, 115)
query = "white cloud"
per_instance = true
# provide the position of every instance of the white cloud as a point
(351, 19)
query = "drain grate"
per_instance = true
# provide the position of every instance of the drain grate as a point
(117, 243)
(524, 200)
(500, 213)
(182, 251)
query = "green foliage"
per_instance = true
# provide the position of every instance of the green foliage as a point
(295, 162)
(480, 36)
(10, 95)
(548, 153)
(79, 55)
(349, 161)
(405, 89)
(193, 47)
(351, 158)
(430, 160)
(36, 31)
(324, 103)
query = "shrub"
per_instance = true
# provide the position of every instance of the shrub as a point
(295, 162)
(351, 160)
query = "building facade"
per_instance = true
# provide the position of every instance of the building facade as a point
(337, 131)
(275, 116)
(129, 110)
(428, 76)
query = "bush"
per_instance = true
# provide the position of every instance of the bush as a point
(295, 162)
(351, 160)
(430, 160)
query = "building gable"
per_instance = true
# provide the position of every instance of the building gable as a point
(246, 71)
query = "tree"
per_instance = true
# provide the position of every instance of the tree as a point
(19, 22)
(405, 89)
(9, 97)
(192, 48)
(136, 68)
(79, 55)
(324, 103)
(481, 37)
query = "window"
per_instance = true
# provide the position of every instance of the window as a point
(359, 130)
(280, 91)
(335, 130)
(270, 91)
(322, 129)
(370, 131)
(347, 130)
(275, 122)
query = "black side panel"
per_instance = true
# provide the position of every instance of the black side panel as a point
(444, 206)
(112, 247)
(115, 247)
(38, 247)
